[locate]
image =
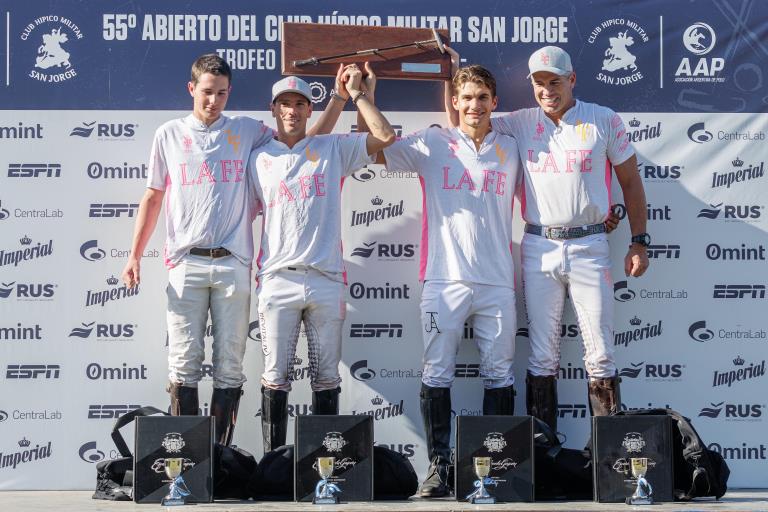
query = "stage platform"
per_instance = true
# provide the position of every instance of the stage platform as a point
(35, 501)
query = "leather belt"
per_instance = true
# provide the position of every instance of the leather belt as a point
(564, 233)
(215, 252)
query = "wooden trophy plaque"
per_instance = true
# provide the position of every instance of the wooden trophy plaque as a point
(314, 49)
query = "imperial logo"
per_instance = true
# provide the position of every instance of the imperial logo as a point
(738, 373)
(34, 170)
(653, 371)
(28, 291)
(572, 411)
(639, 132)
(733, 412)
(32, 371)
(742, 452)
(107, 412)
(639, 333)
(101, 297)
(380, 411)
(669, 252)
(739, 291)
(361, 372)
(105, 131)
(698, 331)
(740, 174)
(698, 133)
(27, 252)
(98, 171)
(11, 459)
(112, 210)
(388, 292)
(620, 39)
(386, 252)
(103, 331)
(21, 131)
(376, 331)
(378, 213)
(20, 332)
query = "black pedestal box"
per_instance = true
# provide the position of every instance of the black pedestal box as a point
(616, 440)
(508, 440)
(161, 437)
(347, 438)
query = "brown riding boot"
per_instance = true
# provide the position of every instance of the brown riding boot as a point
(604, 396)
(184, 400)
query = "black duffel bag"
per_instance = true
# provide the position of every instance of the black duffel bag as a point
(233, 467)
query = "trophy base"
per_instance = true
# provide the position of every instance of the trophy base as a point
(333, 500)
(490, 500)
(172, 502)
(639, 501)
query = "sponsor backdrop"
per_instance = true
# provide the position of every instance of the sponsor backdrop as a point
(84, 86)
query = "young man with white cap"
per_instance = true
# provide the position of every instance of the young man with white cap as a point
(197, 168)
(297, 179)
(468, 176)
(568, 148)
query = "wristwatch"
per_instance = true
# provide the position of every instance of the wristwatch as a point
(643, 239)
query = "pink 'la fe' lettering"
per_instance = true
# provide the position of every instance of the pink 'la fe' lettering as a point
(184, 180)
(549, 161)
(466, 178)
(239, 170)
(501, 183)
(319, 184)
(489, 177)
(305, 186)
(446, 185)
(205, 171)
(586, 160)
(284, 192)
(570, 159)
(226, 170)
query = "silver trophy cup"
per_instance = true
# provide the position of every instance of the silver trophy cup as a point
(325, 492)
(481, 496)
(178, 491)
(642, 494)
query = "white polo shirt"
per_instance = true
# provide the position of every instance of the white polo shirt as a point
(468, 197)
(300, 192)
(202, 170)
(567, 180)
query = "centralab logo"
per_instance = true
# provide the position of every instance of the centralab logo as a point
(698, 133)
(54, 37)
(699, 331)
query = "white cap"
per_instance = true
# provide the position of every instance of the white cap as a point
(291, 84)
(552, 59)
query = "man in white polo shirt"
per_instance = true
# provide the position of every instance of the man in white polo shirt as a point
(197, 168)
(468, 177)
(297, 178)
(569, 148)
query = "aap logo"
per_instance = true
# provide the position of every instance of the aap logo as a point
(622, 293)
(89, 453)
(361, 372)
(91, 252)
(698, 331)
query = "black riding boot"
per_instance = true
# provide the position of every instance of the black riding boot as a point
(184, 400)
(224, 405)
(274, 417)
(436, 413)
(326, 402)
(499, 401)
(541, 398)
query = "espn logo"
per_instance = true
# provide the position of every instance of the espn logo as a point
(739, 291)
(670, 252)
(32, 371)
(110, 210)
(34, 170)
(376, 331)
(104, 412)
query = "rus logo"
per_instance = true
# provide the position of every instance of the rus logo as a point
(740, 411)
(105, 130)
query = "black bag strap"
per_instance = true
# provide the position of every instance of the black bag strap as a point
(125, 419)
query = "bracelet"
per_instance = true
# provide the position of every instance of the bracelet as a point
(362, 93)
(335, 95)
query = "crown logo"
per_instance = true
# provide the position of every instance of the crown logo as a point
(738, 361)
(377, 201)
(112, 281)
(377, 400)
(738, 162)
(634, 123)
(297, 360)
(635, 321)
(25, 240)
(24, 442)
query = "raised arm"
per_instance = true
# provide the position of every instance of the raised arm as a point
(146, 220)
(333, 109)
(451, 113)
(636, 261)
(380, 132)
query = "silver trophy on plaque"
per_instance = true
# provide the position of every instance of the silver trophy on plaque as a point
(642, 494)
(325, 491)
(482, 468)
(178, 491)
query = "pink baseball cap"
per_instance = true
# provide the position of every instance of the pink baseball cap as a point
(552, 59)
(291, 84)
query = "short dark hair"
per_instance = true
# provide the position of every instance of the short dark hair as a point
(476, 74)
(210, 63)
